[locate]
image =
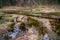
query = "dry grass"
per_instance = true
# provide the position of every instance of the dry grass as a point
(44, 9)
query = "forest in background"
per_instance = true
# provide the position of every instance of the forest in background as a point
(28, 2)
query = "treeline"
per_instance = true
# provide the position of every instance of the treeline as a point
(27, 2)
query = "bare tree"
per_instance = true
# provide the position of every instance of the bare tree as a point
(35, 3)
(28, 2)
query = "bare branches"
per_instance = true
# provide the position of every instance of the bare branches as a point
(35, 2)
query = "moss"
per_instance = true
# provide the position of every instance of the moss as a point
(32, 21)
(38, 25)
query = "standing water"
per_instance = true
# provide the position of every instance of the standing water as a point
(15, 31)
